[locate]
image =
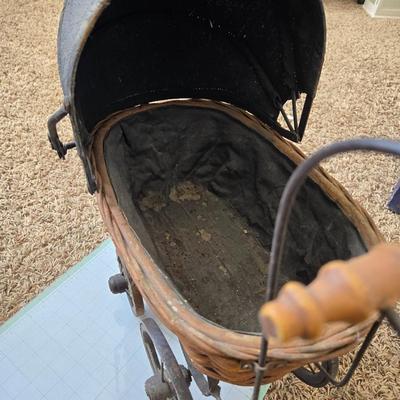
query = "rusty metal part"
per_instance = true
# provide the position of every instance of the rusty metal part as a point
(134, 296)
(207, 385)
(118, 284)
(56, 143)
(170, 380)
(315, 375)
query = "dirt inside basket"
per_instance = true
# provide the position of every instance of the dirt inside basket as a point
(201, 190)
(207, 247)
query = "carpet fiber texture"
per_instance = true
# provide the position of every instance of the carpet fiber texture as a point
(49, 222)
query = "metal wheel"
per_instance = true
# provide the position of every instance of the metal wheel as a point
(123, 283)
(314, 376)
(170, 380)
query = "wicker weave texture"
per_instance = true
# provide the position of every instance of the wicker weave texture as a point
(215, 351)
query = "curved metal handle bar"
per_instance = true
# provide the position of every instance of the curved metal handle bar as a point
(284, 211)
(293, 186)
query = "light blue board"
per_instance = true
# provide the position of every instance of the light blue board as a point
(78, 341)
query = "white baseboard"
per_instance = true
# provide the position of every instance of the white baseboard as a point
(377, 9)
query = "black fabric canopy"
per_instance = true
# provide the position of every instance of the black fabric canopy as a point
(255, 55)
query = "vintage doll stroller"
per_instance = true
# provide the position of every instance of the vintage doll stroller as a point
(175, 107)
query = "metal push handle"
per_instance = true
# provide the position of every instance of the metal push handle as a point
(56, 143)
(293, 186)
(285, 207)
(360, 287)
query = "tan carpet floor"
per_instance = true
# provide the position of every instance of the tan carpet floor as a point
(49, 222)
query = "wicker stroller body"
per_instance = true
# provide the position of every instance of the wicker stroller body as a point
(214, 349)
(155, 164)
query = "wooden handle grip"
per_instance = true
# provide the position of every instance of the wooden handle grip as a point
(347, 291)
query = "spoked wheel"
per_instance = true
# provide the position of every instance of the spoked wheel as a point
(123, 283)
(170, 380)
(314, 376)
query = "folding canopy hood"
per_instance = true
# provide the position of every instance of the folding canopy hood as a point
(255, 55)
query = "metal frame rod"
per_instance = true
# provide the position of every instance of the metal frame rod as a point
(357, 359)
(286, 118)
(294, 111)
(284, 211)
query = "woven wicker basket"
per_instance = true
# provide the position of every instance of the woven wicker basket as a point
(221, 353)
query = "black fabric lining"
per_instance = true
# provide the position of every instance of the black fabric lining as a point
(154, 150)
